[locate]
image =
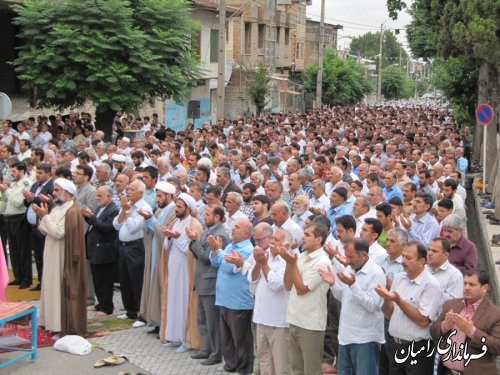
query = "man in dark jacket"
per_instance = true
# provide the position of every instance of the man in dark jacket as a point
(101, 239)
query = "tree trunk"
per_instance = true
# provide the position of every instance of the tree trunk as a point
(104, 121)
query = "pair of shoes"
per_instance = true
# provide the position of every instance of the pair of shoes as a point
(495, 221)
(122, 317)
(36, 288)
(200, 355)
(154, 330)
(15, 282)
(24, 285)
(110, 361)
(90, 302)
(172, 344)
(138, 323)
(210, 362)
(183, 349)
(497, 262)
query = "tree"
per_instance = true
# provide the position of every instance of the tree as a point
(344, 81)
(395, 85)
(368, 46)
(259, 87)
(115, 53)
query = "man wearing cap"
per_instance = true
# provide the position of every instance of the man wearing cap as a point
(179, 303)
(119, 162)
(63, 309)
(150, 310)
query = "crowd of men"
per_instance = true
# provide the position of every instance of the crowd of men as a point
(333, 241)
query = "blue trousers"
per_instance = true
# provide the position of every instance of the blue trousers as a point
(358, 359)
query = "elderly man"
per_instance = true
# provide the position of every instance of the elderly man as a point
(130, 226)
(282, 220)
(319, 202)
(102, 174)
(301, 210)
(271, 299)
(101, 240)
(224, 181)
(150, 310)
(233, 213)
(463, 252)
(234, 299)
(204, 283)
(412, 305)
(63, 310)
(178, 278)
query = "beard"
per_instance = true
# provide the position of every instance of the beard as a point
(60, 198)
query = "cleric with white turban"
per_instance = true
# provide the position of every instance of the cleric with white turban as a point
(66, 185)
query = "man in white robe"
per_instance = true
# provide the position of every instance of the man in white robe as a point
(178, 298)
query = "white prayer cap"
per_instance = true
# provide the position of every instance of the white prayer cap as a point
(119, 158)
(126, 139)
(66, 185)
(188, 200)
(166, 187)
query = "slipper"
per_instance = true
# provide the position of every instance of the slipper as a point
(114, 360)
(487, 212)
(100, 363)
(494, 222)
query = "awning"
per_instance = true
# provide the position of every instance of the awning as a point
(291, 92)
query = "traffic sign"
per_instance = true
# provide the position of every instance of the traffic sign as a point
(5, 106)
(484, 114)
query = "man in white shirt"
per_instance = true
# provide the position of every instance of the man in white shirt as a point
(361, 328)
(361, 211)
(449, 277)
(233, 212)
(301, 210)
(319, 201)
(370, 232)
(271, 299)
(281, 219)
(24, 149)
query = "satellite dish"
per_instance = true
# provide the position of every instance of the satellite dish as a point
(5, 106)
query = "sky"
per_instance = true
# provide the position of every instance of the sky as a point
(358, 17)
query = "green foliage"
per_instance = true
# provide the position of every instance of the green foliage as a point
(113, 52)
(457, 77)
(259, 87)
(344, 81)
(368, 46)
(395, 85)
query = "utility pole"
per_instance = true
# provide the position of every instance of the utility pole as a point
(400, 55)
(221, 61)
(379, 86)
(319, 80)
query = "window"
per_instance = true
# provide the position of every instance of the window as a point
(262, 36)
(287, 37)
(248, 38)
(196, 43)
(300, 51)
(214, 45)
(278, 34)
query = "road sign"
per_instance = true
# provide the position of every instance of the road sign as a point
(484, 114)
(5, 106)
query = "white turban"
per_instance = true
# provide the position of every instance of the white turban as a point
(166, 187)
(119, 158)
(188, 200)
(66, 185)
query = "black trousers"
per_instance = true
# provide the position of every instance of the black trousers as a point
(237, 340)
(131, 265)
(424, 365)
(103, 278)
(37, 243)
(20, 252)
(331, 342)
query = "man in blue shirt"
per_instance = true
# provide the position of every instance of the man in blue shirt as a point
(338, 207)
(391, 190)
(232, 295)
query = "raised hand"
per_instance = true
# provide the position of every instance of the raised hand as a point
(191, 233)
(347, 279)
(405, 222)
(331, 250)
(285, 254)
(170, 233)
(145, 214)
(385, 294)
(214, 243)
(234, 258)
(124, 203)
(327, 275)
(260, 255)
(41, 210)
